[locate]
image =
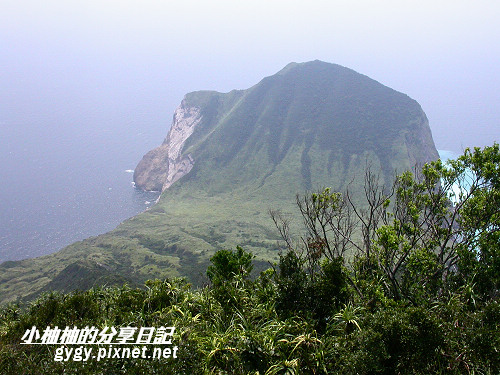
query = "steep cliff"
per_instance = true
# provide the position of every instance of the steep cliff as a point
(164, 165)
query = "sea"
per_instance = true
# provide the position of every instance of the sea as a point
(61, 183)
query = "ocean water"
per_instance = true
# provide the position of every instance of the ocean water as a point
(60, 183)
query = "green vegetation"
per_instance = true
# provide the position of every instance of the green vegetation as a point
(312, 124)
(415, 291)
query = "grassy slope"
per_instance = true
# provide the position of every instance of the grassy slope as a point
(310, 125)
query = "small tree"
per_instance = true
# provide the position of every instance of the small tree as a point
(479, 220)
(413, 238)
(228, 273)
(227, 264)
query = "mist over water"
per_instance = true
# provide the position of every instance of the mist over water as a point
(60, 183)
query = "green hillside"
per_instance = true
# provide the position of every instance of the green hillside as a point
(308, 126)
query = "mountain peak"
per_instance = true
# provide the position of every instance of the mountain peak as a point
(314, 64)
(314, 67)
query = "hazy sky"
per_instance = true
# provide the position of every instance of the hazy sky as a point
(136, 59)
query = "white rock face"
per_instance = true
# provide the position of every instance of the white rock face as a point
(166, 164)
(185, 121)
